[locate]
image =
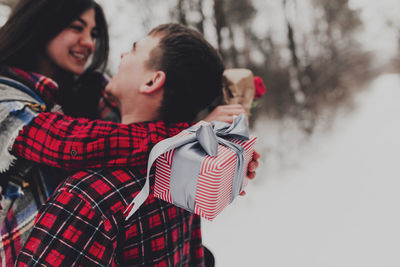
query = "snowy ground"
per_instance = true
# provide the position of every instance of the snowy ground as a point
(337, 206)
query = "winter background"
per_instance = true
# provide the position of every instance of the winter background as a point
(327, 188)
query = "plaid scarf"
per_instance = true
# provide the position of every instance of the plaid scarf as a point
(23, 187)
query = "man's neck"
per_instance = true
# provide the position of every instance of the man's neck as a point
(138, 115)
(130, 118)
(139, 109)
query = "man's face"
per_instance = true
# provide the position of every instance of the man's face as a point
(133, 72)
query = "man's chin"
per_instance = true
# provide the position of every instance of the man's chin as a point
(109, 95)
(109, 87)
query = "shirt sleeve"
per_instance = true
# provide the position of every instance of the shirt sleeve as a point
(70, 232)
(64, 142)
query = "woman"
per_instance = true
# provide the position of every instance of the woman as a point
(25, 44)
(57, 39)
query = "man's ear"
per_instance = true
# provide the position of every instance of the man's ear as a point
(156, 82)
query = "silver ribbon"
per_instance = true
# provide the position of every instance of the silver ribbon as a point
(190, 150)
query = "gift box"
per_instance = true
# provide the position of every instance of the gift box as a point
(202, 169)
(210, 185)
(214, 182)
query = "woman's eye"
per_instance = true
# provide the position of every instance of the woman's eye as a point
(95, 34)
(76, 27)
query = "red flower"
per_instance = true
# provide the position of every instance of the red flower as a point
(260, 87)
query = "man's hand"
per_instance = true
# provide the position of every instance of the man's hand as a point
(253, 165)
(251, 168)
(225, 113)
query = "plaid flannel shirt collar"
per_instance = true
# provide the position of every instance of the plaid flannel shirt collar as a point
(44, 86)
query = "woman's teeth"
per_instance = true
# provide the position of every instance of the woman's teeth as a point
(79, 55)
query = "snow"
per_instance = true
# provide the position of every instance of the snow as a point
(336, 206)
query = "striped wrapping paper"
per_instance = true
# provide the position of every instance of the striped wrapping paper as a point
(214, 183)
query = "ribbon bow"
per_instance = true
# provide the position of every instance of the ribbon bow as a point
(188, 158)
(210, 135)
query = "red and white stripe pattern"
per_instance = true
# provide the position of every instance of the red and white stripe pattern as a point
(163, 173)
(214, 184)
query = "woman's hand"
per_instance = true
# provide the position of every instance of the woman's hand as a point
(225, 113)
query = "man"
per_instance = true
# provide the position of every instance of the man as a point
(171, 74)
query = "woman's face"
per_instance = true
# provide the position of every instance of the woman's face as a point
(71, 49)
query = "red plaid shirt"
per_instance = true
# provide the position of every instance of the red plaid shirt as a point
(83, 224)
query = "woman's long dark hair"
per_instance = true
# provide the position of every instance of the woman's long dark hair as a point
(33, 23)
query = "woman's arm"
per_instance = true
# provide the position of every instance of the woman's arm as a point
(60, 141)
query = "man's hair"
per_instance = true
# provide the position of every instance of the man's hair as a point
(193, 70)
(33, 23)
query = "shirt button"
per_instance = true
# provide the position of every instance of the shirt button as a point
(74, 153)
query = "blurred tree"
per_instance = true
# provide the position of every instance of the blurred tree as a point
(295, 73)
(327, 65)
(233, 25)
(190, 13)
(333, 74)
(220, 25)
(181, 12)
(394, 64)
